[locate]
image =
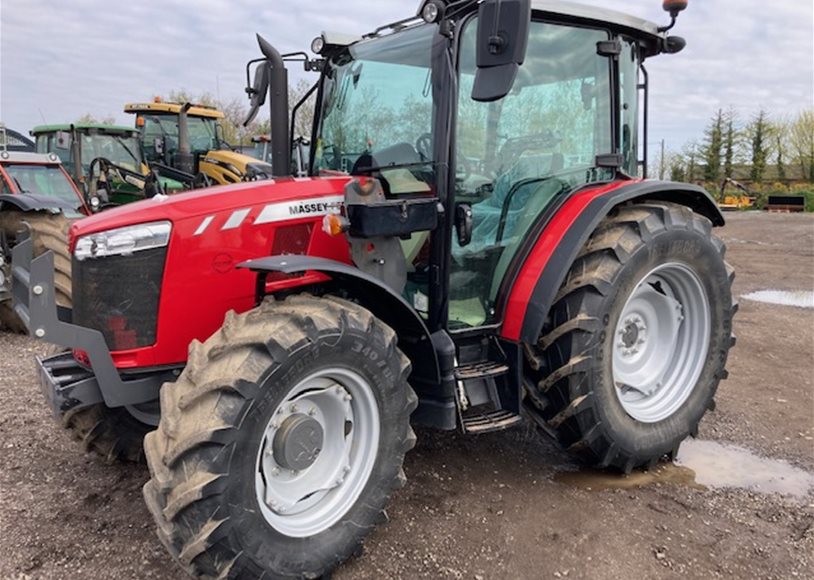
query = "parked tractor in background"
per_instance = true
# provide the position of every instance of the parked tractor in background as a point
(38, 200)
(184, 141)
(472, 250)
(105, 161)
(301, 151)
(745, 199)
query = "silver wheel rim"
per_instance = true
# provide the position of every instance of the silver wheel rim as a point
(317, 452)
(661, 342)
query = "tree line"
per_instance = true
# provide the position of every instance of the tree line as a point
(762, 149)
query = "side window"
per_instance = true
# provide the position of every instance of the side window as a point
(629, 99)
(516, 155)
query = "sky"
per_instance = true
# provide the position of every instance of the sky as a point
(60, 60)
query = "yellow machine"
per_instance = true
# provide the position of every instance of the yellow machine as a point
(184, 141)
(744, 199)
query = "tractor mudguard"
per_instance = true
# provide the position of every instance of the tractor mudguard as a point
(66, 384)
(32, 202)
(564, 234)
(414, 337)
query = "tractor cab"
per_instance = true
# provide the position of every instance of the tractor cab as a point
(558, 110)
(185, 141)
(41, 180)
(106, 161)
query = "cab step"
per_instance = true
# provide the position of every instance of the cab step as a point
(481, 370)
(489, 421)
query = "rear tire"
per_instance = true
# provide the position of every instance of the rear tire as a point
(579, 393)
(49, 232)
(213, 493)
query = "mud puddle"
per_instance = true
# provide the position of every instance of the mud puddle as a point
(798, 298)
(706, 465)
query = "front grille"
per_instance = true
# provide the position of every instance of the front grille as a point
(118, 295)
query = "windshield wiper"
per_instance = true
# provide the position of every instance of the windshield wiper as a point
(20, 187)
(126, 148)
(394, 166)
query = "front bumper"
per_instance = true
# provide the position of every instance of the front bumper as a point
(66, 384)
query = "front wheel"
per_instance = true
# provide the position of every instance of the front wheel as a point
(281, 442)
(637, 340)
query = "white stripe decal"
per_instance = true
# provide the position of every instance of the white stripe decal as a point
(277, 212)
(236, 219)
(204, 224)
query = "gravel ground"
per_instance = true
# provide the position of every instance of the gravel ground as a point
(507, 505)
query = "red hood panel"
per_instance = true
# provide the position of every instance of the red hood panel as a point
(210, 201)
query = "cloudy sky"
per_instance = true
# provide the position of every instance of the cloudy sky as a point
(60, 60)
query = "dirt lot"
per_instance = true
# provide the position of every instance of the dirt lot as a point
(498, 506)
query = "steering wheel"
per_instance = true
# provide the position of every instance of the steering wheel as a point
(514, 147)
(423, 146)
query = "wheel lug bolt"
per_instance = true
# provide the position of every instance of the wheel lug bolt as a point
(347, 398)
(293, 408)
(312, 411)
(275, 471)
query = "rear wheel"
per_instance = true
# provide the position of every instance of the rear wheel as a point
(637, 339)
(281, 442)
(49, 232)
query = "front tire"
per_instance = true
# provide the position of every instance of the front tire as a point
(240, 486)
(637, 340)
(49, 231)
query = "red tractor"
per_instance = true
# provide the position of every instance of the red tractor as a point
(38, 200)
(471, 249)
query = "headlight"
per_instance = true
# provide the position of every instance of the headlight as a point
(123, 241)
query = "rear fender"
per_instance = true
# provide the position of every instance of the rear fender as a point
(546, 265)
(413, 336)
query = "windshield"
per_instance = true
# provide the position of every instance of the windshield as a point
(377, 104)
(202, 135)
(119, 149)
(47, 180)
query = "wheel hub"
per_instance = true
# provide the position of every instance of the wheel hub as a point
(298, 443)
(658, 352)
(317, 452)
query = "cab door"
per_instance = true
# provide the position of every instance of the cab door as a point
(517, 157)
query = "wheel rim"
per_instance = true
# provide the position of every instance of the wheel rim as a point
(317, 452)
(661, 342)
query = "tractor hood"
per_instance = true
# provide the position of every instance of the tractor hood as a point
(224, 207)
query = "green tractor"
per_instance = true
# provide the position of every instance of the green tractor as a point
(106, 161)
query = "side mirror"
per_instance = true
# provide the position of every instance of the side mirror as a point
(158, 145)
(463, 223)
(503, 36)
(257, 92)
(63, 140)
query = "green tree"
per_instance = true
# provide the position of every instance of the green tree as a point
(677, 169)
(729, 143)
(801, 140)
(713, 147)
(759, 137)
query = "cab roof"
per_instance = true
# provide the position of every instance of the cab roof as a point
(13, 157)
(597, 15)
(98, 127)
(173, 109)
